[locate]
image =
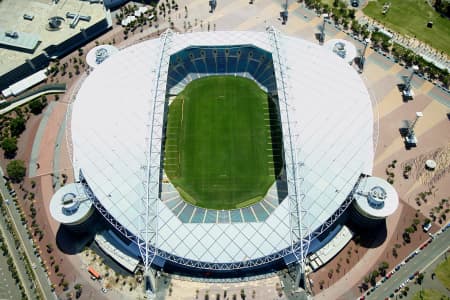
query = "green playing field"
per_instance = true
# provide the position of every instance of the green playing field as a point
(410, 17)
(218, 149)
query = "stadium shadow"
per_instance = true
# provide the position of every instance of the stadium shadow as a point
(71, 242)
(371, 237)
(276, 136)
(277, 147)
(109, 261)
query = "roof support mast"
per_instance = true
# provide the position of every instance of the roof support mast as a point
(300, 234)
(148, 230)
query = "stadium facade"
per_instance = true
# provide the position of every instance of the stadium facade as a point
(117, 132)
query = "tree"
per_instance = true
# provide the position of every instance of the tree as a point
(16, 170)
(420, 278)
(9, 145)
(36, 106)
(382, 267)
(321, 283)
(351, 14)
(17, 126)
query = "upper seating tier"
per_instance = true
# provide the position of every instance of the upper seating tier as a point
(236, 59)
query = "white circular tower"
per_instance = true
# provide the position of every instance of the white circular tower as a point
(342, 48)
(375, 200)
(70, 205)
(99, 54)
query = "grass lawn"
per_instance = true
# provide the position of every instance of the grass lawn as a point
(411, 17)
(428, 294)
(218, 150)
(443, 273)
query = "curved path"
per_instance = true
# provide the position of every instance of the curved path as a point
(29, 98)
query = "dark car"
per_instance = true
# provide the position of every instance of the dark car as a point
(354, 3)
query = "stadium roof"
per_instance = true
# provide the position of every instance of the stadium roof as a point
(332, 129)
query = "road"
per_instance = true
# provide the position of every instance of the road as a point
(20, 267)
(27, 246)
(7, 282)
(420, 262)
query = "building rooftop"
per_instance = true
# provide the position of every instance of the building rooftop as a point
(19, 40)
(35, 26)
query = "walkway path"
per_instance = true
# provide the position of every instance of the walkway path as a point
(27, 99)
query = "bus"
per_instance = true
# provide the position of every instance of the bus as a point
(95, 274)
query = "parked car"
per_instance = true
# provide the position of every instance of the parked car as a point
(354, 3)
(427, 227)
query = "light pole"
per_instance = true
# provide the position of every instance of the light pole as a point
(362, 59)
(407, 91)
(284, 13)
(322, 29)
(411, 139)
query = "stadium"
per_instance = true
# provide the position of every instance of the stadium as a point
(222, 154)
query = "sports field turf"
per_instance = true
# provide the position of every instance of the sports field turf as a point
(411, 17)
(443, 273)
(218, 150)
(429, 294)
